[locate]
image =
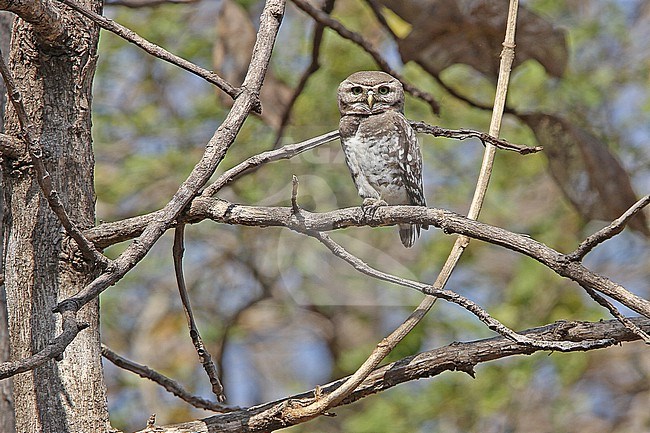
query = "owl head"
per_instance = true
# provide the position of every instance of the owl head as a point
(370, 92)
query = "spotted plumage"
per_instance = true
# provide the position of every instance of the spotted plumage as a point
(380, 147)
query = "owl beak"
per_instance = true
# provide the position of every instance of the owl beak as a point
(371, 99)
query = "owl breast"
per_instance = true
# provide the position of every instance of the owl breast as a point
(375, 146)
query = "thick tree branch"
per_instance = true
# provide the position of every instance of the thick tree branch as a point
(230, 213)
(46, 20)
(454, 357)
(153, 49)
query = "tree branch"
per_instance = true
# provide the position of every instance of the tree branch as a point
(54, 350)
(609, 231)
(46, 20)
(326, 20)
(153, 49)
(454, 357)
(162, 380)
(204, 355)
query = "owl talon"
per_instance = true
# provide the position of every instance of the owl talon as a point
(373, 202)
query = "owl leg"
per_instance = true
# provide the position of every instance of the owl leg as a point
(370, 196)
(373, 202)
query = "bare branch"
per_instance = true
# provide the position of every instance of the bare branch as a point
(154, 49)
(204, 356)
(285, 152)
(464, 134)
(608, 232)
(344, 32)
(454, 357)
(450, 222)
(215, 151)
(54, 350)
(162, 380)
(617, 314)
(314, 66)
(42, 175)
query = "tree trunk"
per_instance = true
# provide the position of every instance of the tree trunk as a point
(55, 84)
(7, 423)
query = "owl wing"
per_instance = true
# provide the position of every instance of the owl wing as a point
(410, 160)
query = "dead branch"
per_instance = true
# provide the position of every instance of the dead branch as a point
(454, 357)
(54, 350)
(162, 380)
(204, 355)
(323, 18)
(153, 49)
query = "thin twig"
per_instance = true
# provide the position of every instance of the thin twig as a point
(344, 32)
(204, 356)
(617, 314)
(464, 134)
(42, 175)
(285, 152)
(153, 49)
(169, 384)
(294, 194)
(431, 290)
(609, 231)
(314, 66)
(290, 150)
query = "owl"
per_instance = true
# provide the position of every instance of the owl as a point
(380, 147)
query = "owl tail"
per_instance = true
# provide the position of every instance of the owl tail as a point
(408, 234)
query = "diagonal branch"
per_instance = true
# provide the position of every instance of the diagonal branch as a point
(344, 32)
(54, 350)
(153, 49)
(384, 348)
(162, 380)
(609, 231)
(42, 175)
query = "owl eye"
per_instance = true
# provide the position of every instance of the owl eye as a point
(383, 90)
(356, 90)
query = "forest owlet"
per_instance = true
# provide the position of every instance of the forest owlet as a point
(381, 149)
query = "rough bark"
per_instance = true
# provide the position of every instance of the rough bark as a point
(54, 76)
(6, 386)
